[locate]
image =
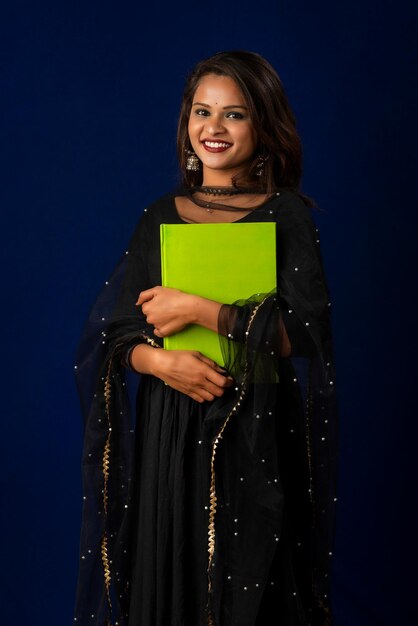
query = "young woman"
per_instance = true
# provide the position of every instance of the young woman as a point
(215, 505)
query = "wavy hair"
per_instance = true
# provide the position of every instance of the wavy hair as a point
(271, 115)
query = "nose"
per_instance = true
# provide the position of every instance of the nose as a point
(214, 125)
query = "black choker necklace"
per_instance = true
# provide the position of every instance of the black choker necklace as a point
(211, 206)
(224, 191)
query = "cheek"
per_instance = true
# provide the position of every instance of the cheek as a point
(194, 125)
(194, 130)
(248, 139)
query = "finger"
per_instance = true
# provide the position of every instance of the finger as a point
(213, 364)
(219, 380)
(210, 362)
(213, 389)
(168, 329)
(216, 373)
(160, 331)
(196, 394)
(145, 296)
(196, 397)
(207, 395)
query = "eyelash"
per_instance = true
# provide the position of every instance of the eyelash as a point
(236, 114)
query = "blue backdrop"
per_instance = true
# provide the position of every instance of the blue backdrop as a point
(90, 93)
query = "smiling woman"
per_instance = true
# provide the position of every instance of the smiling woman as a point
(217, 508)
(220, 129)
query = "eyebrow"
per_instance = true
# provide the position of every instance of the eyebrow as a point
(230, 106)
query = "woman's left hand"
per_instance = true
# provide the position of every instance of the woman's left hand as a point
(168, 310)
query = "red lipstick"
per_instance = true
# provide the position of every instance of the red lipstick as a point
(216, 145)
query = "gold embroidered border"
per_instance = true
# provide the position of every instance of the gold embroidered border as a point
(106, 471)
(151, 342)
(213, 500)
(106, 467)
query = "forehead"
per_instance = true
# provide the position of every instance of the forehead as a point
(213, 89)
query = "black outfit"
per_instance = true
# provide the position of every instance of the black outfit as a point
(223, 512)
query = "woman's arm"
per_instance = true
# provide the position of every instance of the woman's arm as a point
(170, 310)
(189, 372)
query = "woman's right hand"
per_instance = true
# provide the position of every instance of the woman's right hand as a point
(191, 373)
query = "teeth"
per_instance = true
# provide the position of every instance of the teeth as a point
(216, 144)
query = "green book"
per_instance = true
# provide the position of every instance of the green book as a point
(222, 262)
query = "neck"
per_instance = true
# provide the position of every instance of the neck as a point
(218, 178)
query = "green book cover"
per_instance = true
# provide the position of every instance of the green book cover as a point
(222, 262)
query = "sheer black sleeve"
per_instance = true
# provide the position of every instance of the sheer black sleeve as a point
(300, 302)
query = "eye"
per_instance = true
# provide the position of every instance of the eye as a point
(201, 112)
(235, 115)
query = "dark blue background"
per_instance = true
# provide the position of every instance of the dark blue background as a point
(90, 94)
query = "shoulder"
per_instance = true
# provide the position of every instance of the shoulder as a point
(293, 202)
(297, 232)
(292, 210)
(159, 209)
(157, 212)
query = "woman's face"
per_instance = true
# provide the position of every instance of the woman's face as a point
(220, 130)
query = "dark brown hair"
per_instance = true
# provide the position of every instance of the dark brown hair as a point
(270, 113)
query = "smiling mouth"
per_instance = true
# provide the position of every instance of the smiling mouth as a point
(216, 146)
